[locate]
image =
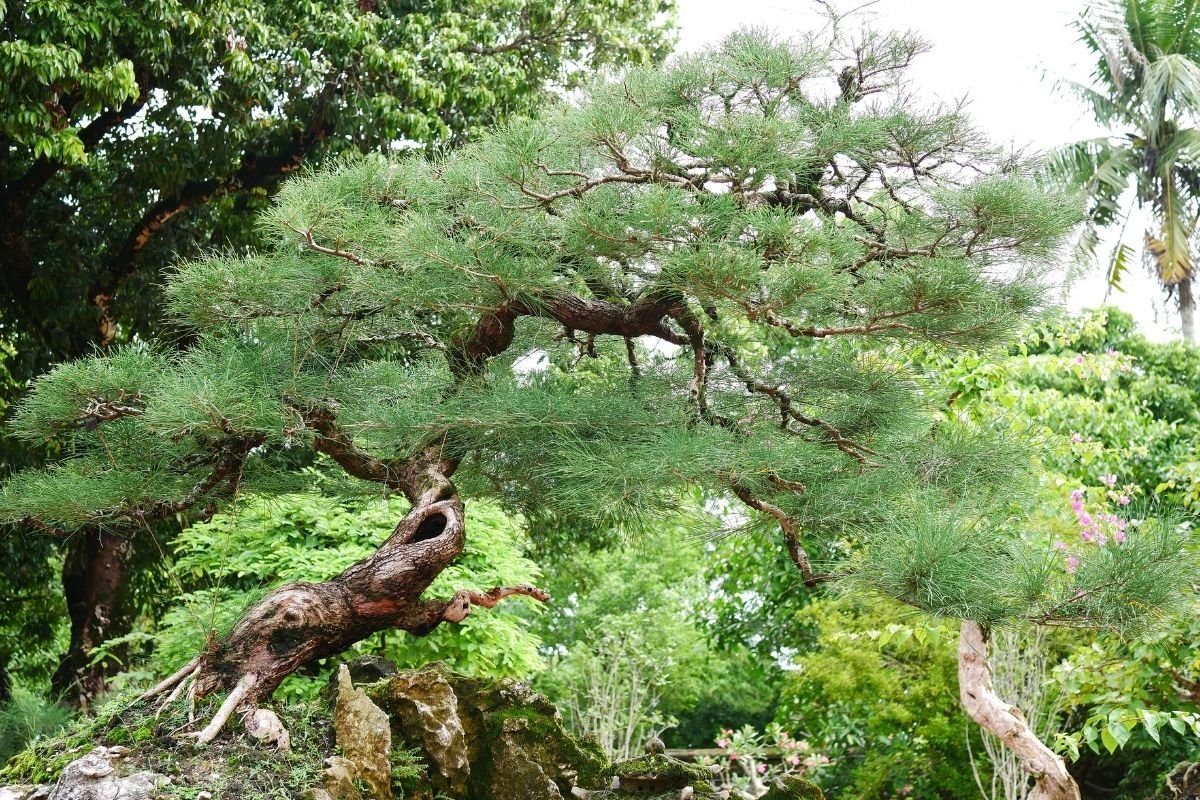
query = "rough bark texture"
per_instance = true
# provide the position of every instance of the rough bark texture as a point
(94, 580)
(1049, 771)
(304, 621)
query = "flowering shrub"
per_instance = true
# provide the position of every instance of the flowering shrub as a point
(752, 758)
(1098, 525)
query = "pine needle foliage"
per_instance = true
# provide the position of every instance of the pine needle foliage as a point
(712, 276)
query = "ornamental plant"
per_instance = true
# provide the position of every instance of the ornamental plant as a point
(710, 276)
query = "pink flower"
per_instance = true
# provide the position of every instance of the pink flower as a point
(1109, 480)
(1076, 437)
(1086, 534)
(794, 761)
(1123, 500)
(1085, 519)
(1060, 545)
(1077, 495)
(1119, 536)
(762, 768)
(1077, 506)
(733, 756)
(722, 743)
(1072, 563)
(1079, 358)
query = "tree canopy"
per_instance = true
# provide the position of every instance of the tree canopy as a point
(132, 134)
(724, 275)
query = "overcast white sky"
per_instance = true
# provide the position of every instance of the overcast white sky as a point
(1003, 56)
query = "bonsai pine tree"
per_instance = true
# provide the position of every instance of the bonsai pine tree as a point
(711, 276)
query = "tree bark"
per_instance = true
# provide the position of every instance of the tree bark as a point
(95, 582)
(300, 622)
(1187, 308)
(1049, 771)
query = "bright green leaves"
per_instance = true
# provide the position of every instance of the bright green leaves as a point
(31, 114)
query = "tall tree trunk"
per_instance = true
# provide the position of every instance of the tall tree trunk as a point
(1187, 308)
(1049, 771)
(5, 680)
(297, 623)
(95, 581)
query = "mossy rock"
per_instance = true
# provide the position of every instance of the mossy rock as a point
(793, 787)
(487, 739)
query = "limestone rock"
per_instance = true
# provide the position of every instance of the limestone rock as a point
(265, 726)
(488, 740)
(97, 776)
(25, 792)
(363, 732)
(339, 780)
(423, 708)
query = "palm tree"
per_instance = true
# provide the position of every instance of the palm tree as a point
(1146, 90)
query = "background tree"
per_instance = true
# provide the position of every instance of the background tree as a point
(135, 134)
(604, 654)
(743, 250)
(132, 134)
(1117, 415)
(1146, 90)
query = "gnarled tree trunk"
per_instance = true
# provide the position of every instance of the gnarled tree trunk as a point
(95, 582)
(1049, 771)
(300, 622)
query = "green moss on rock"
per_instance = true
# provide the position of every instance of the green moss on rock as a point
(513, 739)
(793, 787)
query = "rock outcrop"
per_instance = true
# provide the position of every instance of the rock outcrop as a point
(484, 739)
(418, 734)
(363, 732)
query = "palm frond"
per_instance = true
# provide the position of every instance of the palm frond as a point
(1172, 79)
(1170, 252)
(1186, 28)
(1106, 109)
(1118, 266)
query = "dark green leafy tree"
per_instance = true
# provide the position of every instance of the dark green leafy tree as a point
(133, 134)
(1146, 90)
(710, 276)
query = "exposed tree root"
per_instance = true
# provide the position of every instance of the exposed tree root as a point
(300, 622)
(177, 679)
(239, 693)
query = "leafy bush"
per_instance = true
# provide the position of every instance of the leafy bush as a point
(879, 696)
